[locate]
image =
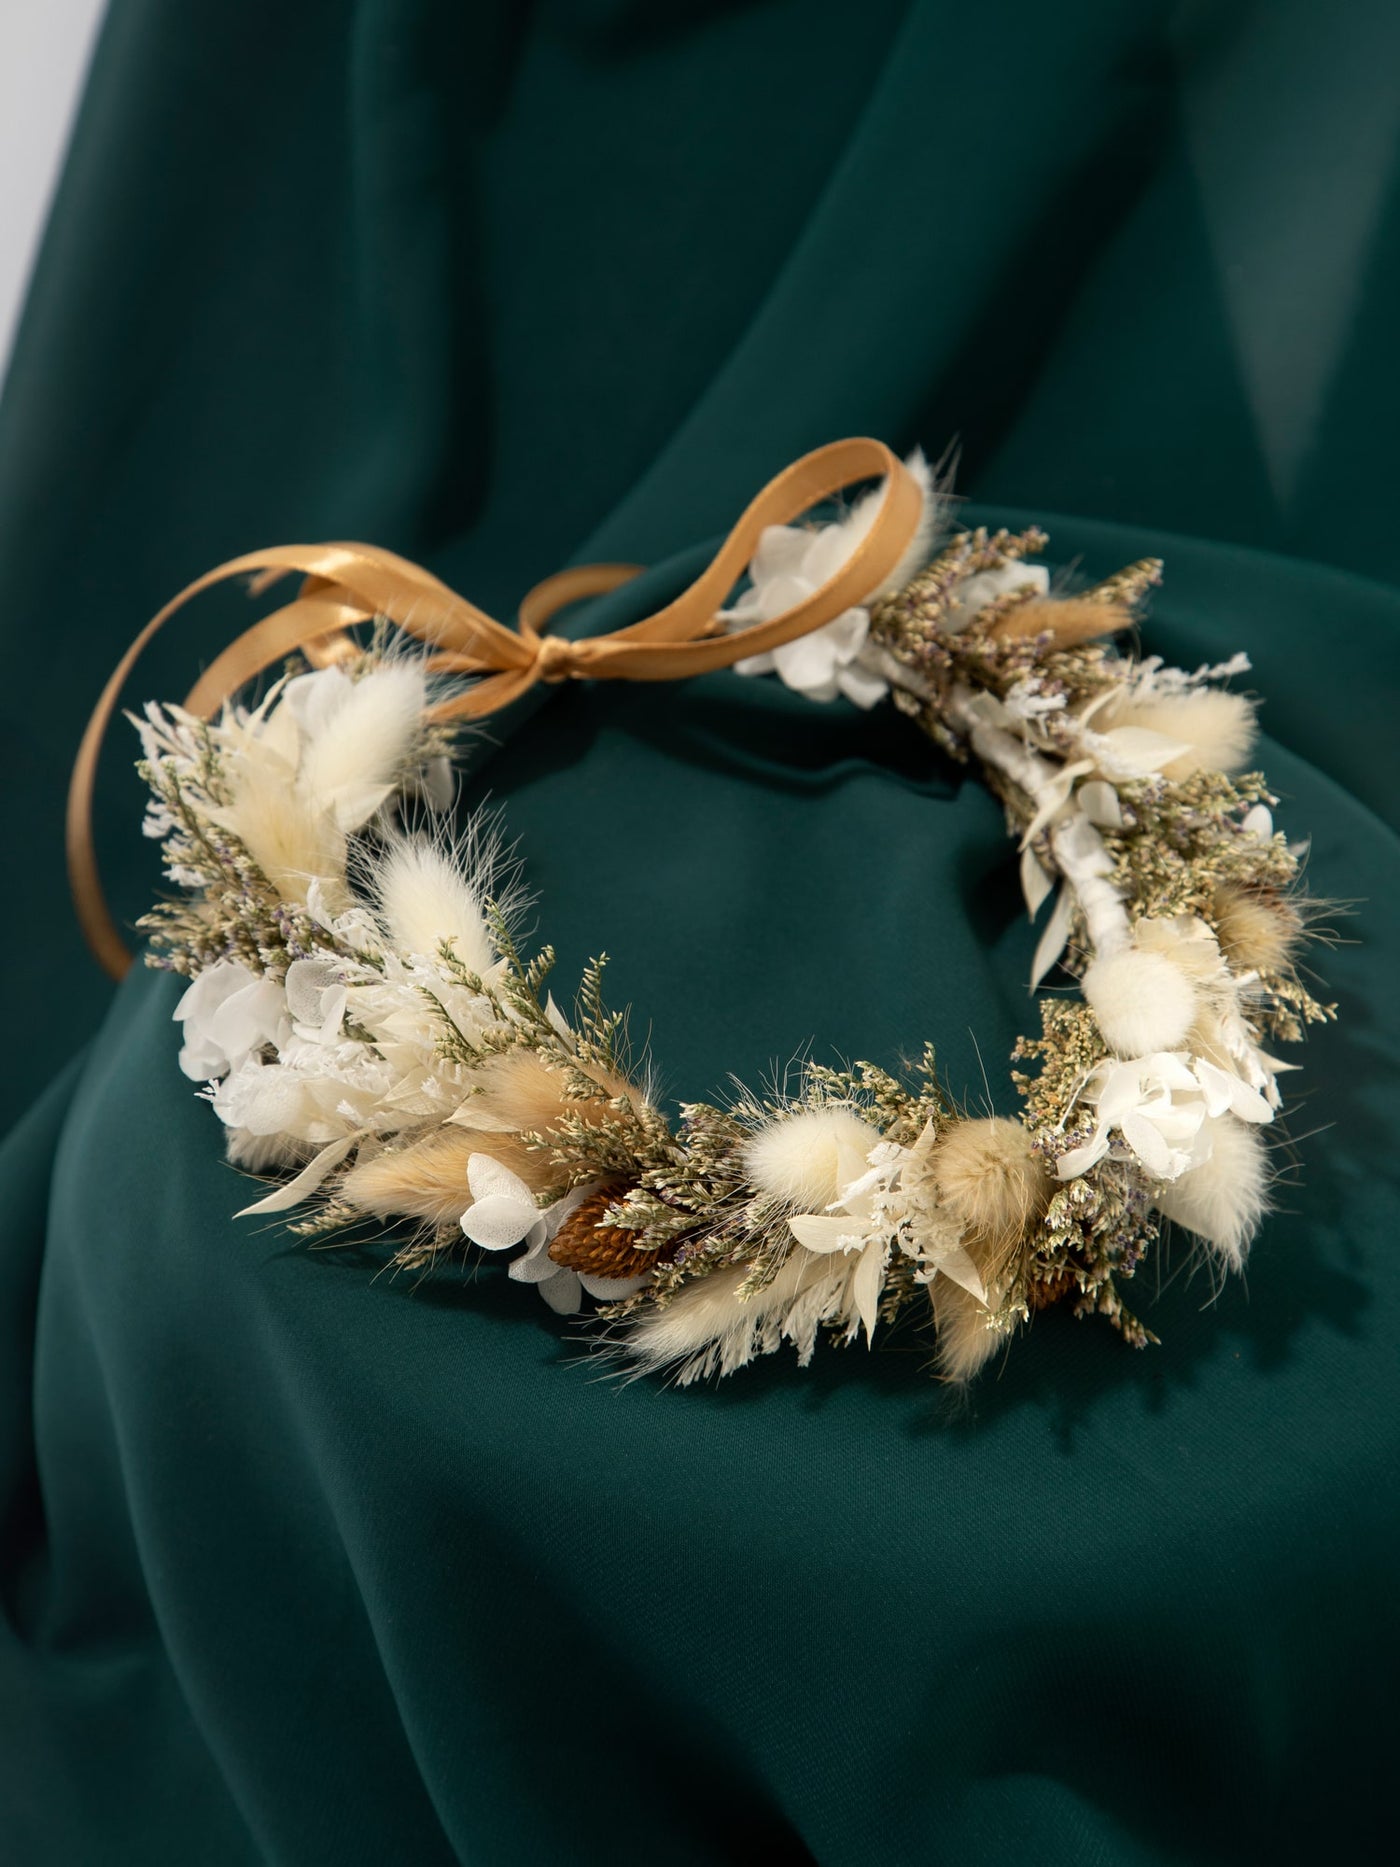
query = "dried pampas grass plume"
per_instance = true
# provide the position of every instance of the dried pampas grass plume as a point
(519, 1090)
(291, 839)
(708, 1328)
(362, 746)
(706, 1325)
(520, 1094)
(356, 740)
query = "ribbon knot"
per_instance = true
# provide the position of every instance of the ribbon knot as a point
(558, 659)
(347, 584)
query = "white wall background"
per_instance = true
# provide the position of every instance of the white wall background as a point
(44, 50)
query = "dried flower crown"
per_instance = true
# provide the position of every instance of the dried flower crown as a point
(366, 1026)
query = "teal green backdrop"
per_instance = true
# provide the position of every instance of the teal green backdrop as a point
(300, 1566)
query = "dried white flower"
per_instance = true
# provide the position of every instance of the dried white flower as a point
(228, 1013)
(792, 562)
(866, 1221)
(1159, 1107)
(967, 599)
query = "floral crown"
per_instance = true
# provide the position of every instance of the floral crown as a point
(370, 1033)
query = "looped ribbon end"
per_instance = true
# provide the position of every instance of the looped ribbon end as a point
(345, 585)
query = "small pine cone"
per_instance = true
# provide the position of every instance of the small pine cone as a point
(583, 1243)
(1043, 1291)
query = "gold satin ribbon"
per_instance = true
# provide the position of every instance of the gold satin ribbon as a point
(347, 584)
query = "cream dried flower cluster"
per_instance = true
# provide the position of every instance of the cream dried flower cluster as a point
(367, 1028)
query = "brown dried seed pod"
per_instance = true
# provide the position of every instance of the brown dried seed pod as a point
(582, 1243)
(1042, 1292)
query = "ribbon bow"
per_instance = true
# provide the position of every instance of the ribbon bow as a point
(347, 584)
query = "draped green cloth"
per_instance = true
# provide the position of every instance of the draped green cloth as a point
(301, 1566)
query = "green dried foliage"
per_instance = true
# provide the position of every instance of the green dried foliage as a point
(1100, 1226)
(1183, 837)
(229, 909)
(913, 627)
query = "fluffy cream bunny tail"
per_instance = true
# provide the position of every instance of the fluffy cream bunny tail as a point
(966, 1338)
(1217, 728)
(361, 748)
(1223, 1200)
(1256, 928)
(796, 1159)
(425, 899)
(931, 522)
(292, 841)
(995, 1185)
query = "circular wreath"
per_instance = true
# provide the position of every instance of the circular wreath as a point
(368, 1029)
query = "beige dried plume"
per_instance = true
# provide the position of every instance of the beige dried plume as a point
(994, 1184)
(709, 1328)
(428, 1179)
(521, 1090)
(966, 1338)
(290, 837)
(1217, 728)
(519, 1094)
(1067, 620)
(1224, 1198)
(425, 899)
(1257, 931)
(997, 1188)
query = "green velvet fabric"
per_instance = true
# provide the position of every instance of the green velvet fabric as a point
(300, 1566)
